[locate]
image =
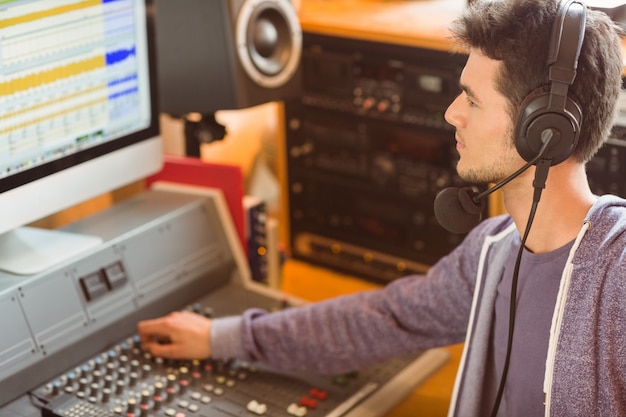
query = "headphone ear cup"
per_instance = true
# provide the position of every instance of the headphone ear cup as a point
(536, 117)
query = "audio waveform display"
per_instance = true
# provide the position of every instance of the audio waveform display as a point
(14, 119)
(35, 12)
(68, 78)
(49, 44)
(39, 79)
(120, 55)
(129, 91)
(33, 43)
(118, 81)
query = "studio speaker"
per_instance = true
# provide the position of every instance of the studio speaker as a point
(226, 54)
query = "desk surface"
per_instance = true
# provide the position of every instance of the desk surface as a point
(422, 23)
(418, 23)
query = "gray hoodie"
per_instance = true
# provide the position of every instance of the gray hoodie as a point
(586, 359)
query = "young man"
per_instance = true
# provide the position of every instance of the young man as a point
(567, 354)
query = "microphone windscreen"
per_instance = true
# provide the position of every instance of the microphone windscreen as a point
(456, 211)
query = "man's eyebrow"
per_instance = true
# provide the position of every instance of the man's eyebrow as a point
(468, 91)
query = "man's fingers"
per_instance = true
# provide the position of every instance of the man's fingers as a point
(151, 330)
(169, 350)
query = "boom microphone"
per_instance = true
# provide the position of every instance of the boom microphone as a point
(458, 210)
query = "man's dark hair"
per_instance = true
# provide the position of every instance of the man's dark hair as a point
(517, 32)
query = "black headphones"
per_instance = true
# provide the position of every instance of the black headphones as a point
(552, 113)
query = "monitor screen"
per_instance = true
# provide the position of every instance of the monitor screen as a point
(78, 113)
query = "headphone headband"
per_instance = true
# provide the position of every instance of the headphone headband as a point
(568, 26)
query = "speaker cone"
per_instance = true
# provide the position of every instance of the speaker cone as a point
(269, 41)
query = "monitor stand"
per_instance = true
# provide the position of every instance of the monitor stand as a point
(30, 250)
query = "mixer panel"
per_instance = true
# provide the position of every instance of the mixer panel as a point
(71, 347)
(127, 381)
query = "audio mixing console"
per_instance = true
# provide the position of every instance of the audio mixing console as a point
(69, 346)
(125, 381)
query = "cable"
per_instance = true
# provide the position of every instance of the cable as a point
(514, 175)
(539, 183)
(512, 308)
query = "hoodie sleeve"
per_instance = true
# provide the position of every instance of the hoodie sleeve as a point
(346, 333)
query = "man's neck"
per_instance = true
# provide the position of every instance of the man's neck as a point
(562, 208)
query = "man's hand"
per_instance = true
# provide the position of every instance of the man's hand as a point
(179, 335)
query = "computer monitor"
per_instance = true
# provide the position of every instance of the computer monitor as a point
(78, 116)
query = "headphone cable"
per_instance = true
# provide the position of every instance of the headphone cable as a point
(539, 183)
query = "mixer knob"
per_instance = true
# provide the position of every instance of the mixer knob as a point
(131, 404)
(112, 355)
(134, 377)
(82, 384)
(146, 368)
(208, 312)
(110, 368)
(79, 371)
(182, 386)
(106, 395)
(158, 388)
(196, 373)
(120, 386)
(96, 376)
(158, 402)
(183, 378)
(55, 387)
(171, 380)
(123, 360)
(70, 378)
(144, 411)
(127, 345)
(108, 381)
(99, 362)
(183, 372)
(145, 396)
(86, 368)
(196, 365)
(171, 383)
(135, 365)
